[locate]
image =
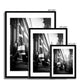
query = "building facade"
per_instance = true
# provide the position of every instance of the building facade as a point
(41, 47)
(19, 38)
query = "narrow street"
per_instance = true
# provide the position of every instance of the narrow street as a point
(42, 68)
(61, 72)
(19, 66)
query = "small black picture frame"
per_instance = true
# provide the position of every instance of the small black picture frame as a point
(67, 71)
(34, 34)
(16, 14)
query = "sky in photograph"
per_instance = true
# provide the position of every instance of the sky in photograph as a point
(52, 38)
(37, 22)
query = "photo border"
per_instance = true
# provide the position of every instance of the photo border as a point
(50, 50)
(5, 37)
(73, 62)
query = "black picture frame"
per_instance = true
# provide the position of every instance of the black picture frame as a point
(63, 77)
(38, 77)
(5, 35)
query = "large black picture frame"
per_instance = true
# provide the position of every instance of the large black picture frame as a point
(6, 36)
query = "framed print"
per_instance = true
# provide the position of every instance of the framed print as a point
(17, 24)
(63, 61)
(39, 55)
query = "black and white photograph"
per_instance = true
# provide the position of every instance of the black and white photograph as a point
(17, 28)
(63, 61)
(40, 41)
